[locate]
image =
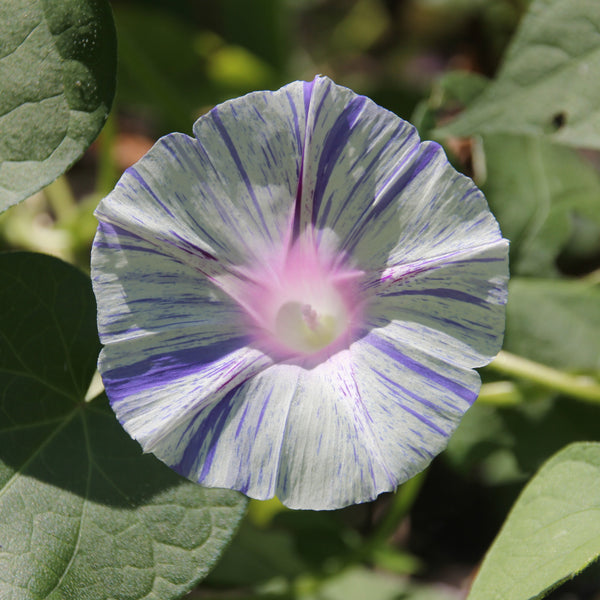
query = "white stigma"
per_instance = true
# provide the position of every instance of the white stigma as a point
(307, 327)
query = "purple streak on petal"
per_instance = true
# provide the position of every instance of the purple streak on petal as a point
(444, 293)
(301, 137)
(262, 411)
(209, 429)
(299, 134)
(187, 246)
(238, 163)
(368, 170)
(427, 373)
(403, 174)
(134, 173)
(256, 112)
(319, 107)
(167, 144)
(117, 232)
(113, 236)
(333, 145)
(393, 385)
(154, 371)
(420, 451)
(308, 87)
(298, 203)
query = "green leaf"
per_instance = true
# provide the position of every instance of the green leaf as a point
(57, 81)
(257, 556)
(451, 92)
(537, 189)
(549, 82)
(555, 322)
(84, 515)
(507, 445)
(552, 533)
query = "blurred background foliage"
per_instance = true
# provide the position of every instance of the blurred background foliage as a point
(424, 60)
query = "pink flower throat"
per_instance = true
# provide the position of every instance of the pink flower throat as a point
(301, 301)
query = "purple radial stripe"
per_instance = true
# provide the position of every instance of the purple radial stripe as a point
(319, 106)
(298, 203)
(333, 145)
(212, 421)
(299, 134)
(409, 169)
(155, 371)
(113, 239)
(138, 177)
(374, 158)
(419, 368)
(443, 293)
(187, 246)
(394, 385)
(174, 154)
(308, 87)
(214, 113)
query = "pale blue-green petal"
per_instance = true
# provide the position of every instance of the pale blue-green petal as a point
(297, 433)
(229, 192)
(180, 367)
(388, 197)
(173, 342)
(452, 307)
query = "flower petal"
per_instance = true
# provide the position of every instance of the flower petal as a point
(343, 432)
(388, 197)
(172, 340)
(351, 144)
(230, 191)
(190, 229)
(451, 307)
(289, 432)
(367, 420)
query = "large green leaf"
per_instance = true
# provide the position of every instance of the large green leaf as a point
(537, 190)
(552, 533)
(84, 515)
(549, 82)
(555, 322)
(503, 445)
(57, 81)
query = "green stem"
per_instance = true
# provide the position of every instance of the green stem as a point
(402, 502)
(61, 199)
(108, 172)
(585, 388)
(500, 393)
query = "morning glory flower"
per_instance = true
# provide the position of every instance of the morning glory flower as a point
(293, 301)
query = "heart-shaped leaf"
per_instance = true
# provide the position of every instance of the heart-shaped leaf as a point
(552, 533)
(57, 82)
(538, 190)
(555, 322)
(84, 515)
(549, 81)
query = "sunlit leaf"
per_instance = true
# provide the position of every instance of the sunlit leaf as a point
(537, 189)
(507, 445)
(57, 81)
(83, 514)
(549, 81)
(552, 533)
(555, 322)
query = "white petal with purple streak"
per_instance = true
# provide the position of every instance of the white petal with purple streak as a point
(196, 231)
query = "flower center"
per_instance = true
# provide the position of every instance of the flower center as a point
(301, 300)
(307, 328)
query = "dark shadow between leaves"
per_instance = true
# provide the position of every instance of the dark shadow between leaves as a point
(90, 455)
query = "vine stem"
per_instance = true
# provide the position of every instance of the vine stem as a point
(579, 386)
